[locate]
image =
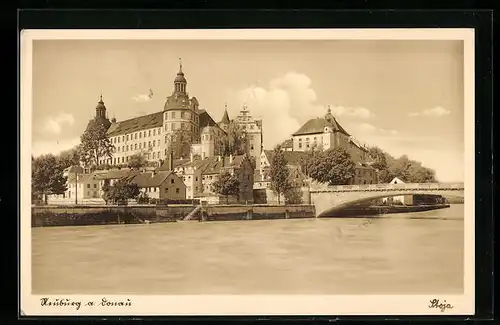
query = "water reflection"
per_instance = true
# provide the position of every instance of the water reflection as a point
(396, 254)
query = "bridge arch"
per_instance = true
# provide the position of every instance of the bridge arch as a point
(326, 198)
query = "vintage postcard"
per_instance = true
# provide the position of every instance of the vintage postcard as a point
(247, 172)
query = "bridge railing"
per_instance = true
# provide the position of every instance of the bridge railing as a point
(385, 187)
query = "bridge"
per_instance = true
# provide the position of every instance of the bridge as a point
(326, 197)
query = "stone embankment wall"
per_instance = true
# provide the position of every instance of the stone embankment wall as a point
(46, 216)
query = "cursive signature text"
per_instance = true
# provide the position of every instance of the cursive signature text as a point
(436, 303)
(66, 302)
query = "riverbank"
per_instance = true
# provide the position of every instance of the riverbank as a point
(50, 216)
(385, 209)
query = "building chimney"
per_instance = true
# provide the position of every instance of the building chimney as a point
(171, 161)
(231, 158)
(191, 157)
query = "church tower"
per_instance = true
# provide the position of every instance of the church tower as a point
(180, 114)
(224, 123)
(180, 81)
(100, 114)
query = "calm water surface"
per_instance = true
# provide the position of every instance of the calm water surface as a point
(400, 253)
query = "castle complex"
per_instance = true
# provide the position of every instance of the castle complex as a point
(181, 120)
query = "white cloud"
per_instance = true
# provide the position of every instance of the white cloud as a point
(437, 111)
(287, 103)
(43, 147)
(56, 123)
(352, 112)
(366, 130)
(142, 98)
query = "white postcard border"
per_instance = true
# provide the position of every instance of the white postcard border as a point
(250, 304)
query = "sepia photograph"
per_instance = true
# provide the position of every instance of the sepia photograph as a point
(258, 172)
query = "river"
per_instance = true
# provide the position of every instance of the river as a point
(413, 253)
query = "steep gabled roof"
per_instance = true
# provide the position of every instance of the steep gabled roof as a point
(145, 122)
(317, 125)
(149, 180)
(205, 119)
(225, 118)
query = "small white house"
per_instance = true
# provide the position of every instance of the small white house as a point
(403, 199)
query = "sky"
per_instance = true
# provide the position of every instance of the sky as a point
(403, 96)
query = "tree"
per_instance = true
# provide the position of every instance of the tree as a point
(226, 185)
(180, 142)
(46, 176)
(235, 140)
(137, 161)
(293, 196)
(68, 158)
(121, 191)
(279, 173)
(95, 144)
(334, 167)
(379, 158)
(407, 170)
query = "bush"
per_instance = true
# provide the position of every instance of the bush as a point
(143, 198)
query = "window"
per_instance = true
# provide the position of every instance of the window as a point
(135, 146)
(154, 132)
(300, 145)
(123, 138)
(182, 114)
(140, 145)
(118, 139)
(196, 178)
(154, 143)
(172, 181)
(88, 185)
(154, 189)
(140, 135)
(177, 190)
(159, 131)
(127, 137)
(173, 114)
(135, 136)
(127, 147)
(95, 185)
(153, 155)
(149, 144)
(166, 189)
(144, 133)
(149, 133)
(144, 145)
